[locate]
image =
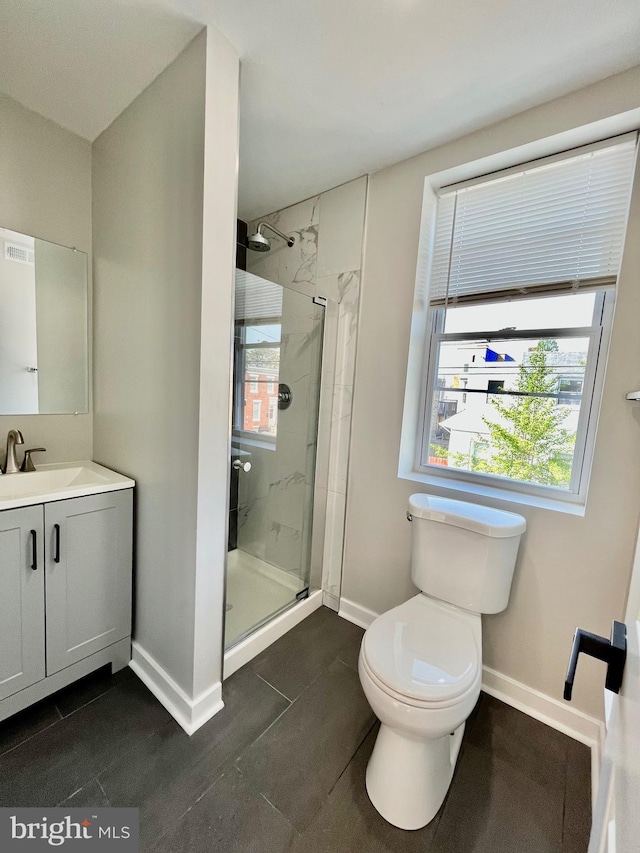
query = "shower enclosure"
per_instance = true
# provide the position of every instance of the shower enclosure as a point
(276, 392)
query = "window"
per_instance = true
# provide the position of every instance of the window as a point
(257, 366)
(257, 343)
(273, 413)
(522, 280)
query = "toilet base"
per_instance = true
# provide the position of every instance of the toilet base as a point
(408, 777)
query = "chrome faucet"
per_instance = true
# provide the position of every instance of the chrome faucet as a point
(11, 466)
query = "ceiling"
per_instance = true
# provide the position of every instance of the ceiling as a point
(81, 62)
(331, 89)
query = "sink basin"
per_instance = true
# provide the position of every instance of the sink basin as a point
(57, 482)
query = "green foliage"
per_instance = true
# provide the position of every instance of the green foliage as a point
(258, 357)
(532, 445)
(438, 451)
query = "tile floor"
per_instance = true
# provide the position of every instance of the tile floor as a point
(281, 768)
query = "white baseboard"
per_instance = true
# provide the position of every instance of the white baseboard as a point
(269, 633)
(558, 715)
(330, 601)
(189, 713)
(356, 613)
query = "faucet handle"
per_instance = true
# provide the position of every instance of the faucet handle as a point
(27, 463)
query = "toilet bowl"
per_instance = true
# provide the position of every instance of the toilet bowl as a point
(420, 668)
(420, 664)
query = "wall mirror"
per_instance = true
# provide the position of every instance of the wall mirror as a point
(43, 327)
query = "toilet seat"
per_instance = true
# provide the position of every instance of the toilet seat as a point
(424, 653)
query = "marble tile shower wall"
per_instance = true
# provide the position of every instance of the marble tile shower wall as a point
(274, 507)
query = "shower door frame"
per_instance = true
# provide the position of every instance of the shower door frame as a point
(323, 435)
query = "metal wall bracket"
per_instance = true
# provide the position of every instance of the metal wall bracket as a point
(285, 396)
(613, 652)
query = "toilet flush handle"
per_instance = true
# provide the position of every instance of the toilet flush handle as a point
(409, 516)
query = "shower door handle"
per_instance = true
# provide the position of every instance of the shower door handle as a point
(239, 465)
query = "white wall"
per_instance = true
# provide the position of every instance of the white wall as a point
(152, 293)
(45, 181)
(18, 342)
(218, 284)
(147, 224)
(572, 570)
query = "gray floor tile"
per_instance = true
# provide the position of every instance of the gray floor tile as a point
(90, 796)
(26, 724)
(348, 823)
(166, 773)
(350, 653)
(494, 806)
(520, 741)
(296, 763)
(520, 787)
(298, 658)
(89, 688)
(577, 807)
(575, 842)
(58, 761)
(231, 818)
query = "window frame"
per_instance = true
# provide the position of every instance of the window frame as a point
(599, 334)
(240, 348)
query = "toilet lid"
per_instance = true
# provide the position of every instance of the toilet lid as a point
(424, 650)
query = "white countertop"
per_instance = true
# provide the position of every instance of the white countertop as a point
(57, 482)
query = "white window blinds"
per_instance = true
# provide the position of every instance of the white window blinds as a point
(556, 225)
(257, 298)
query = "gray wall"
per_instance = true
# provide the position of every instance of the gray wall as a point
(148, 172)
(572, 570)
(45, 175)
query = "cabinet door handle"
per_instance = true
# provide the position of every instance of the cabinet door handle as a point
(34, 546)
(56, 532)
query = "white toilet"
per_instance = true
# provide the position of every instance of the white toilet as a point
(421, 663)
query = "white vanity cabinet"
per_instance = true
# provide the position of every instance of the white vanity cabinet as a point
(88, 550)
(22, 653)
(65, 593)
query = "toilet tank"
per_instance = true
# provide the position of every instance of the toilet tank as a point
(464, 553)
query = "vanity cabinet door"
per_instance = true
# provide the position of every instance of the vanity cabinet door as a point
(21, 599)
(89, 567)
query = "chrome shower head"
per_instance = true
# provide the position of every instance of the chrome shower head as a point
(259, 243)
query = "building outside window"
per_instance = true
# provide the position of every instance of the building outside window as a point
(273, 413)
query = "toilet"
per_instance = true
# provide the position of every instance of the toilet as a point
(421, 663)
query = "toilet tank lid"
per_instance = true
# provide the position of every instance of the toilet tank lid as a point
(495, 523)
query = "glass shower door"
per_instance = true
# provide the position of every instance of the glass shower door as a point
(277, 364)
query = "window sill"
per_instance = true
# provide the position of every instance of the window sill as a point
(242, 442)
(480, 490)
